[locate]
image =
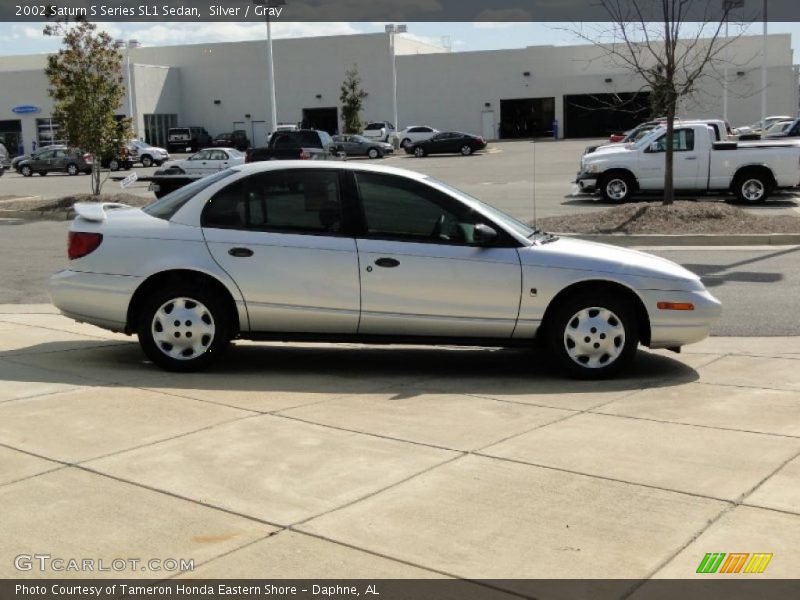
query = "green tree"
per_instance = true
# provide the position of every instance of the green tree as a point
(352, 99)
(87, 86)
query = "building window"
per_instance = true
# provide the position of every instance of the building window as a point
(48, 133)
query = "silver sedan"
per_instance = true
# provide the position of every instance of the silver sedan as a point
(295, 250)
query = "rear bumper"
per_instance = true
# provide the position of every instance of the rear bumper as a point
(674, 328)
(94, 298)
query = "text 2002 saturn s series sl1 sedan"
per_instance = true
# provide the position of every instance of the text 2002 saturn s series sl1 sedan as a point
(341, 252)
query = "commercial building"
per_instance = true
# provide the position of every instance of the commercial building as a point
(502, 93)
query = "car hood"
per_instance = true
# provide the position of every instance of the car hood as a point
(575, 254)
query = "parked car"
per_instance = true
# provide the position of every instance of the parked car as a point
(120, 160)
(57, 159)
(415, 133)
(204, 162)
(754, 131)
(235, 139)
(142, 152)
(358, 145)
(701, 164)
(16, 162)
(389, 256)
(379, 130)
(303, 144)
(187, 139)
(781, 130)
(447, 142)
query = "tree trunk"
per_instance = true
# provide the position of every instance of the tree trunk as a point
(95, 177)
(669, 171)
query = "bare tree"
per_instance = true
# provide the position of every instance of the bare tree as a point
(671, 44)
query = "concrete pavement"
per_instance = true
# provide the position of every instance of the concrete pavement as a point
(354, 461)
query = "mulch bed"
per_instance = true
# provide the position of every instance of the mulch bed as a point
(680, 217)
(65, 203)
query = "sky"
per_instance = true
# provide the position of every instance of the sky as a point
(27, 38)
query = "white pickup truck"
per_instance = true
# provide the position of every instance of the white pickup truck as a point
(701, 163)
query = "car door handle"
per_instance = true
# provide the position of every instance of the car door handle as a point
(387, 262)
(240, 252)
(690, 157)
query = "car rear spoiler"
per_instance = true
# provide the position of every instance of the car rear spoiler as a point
(95, 211)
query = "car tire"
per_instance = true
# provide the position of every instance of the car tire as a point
(182, 347)
(113, 165)
(26, 171)
(72, 169)
(752, 188)
(419, 152)
(405, 143)
(466, 150)
(607, 321)
(147, 161)
(617, 188)
(42, 173)
(373, 153)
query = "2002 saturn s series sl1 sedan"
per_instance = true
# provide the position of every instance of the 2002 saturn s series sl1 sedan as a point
(341, 252)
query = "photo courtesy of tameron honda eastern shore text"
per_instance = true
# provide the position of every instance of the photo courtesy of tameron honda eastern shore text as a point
(335, 251)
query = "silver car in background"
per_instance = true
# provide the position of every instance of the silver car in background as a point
(295, 250)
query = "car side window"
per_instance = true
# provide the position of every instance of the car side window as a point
(404, 209)
(292, 201)
(218, 155)
(682, 141)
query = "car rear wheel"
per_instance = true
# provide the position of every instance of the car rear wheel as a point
(147, 161)
(751, 188)
(405, 143)
(184, 328)
(466, 150)
(593, 336)
(72, 169)
(26, 171)
(43, 173)
(373, 153)
(113, 165)
(617, 188)
(419, 151)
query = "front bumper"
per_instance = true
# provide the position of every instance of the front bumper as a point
(94, 298)
(675, 328)
(587, 182)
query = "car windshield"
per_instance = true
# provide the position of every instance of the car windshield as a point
(166, 207)
(499, 216)
(650, 137)
(140, 144)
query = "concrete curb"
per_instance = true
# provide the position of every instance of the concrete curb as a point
(690, 239)
(37, 215)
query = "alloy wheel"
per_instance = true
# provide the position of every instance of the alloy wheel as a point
(753, 190)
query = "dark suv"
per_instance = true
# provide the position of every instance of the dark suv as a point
(57, 159)
(187, 139)
(236, 139)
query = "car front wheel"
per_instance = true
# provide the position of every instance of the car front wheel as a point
(113, 165)
(373, 153)
(184, 328)
(466, 150)
(147, 161)
(593, 336)
(617, 188)
(26, 171)
(419, 151)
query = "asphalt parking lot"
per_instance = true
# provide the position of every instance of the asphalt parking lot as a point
(345, 461)
(524, 178)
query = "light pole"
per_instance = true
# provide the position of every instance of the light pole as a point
(392, 30)
(727, 6)
(270, 64)
(764, 69)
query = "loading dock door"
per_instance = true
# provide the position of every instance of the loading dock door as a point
(324, 119)
(527, 117)
(600, 115)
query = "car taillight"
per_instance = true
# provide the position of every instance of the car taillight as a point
(87, 158)
(305, 154)
(80, 244)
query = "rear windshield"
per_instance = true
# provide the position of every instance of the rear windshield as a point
(296, 139)
(166, 207)
(375, 126)
(178, 131)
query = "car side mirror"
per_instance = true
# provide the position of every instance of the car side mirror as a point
(483, 234)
